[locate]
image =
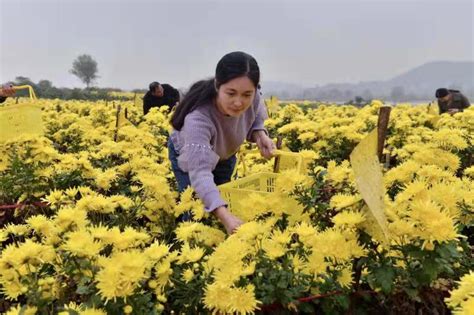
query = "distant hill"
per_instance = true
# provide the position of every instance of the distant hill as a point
(416, 84)
(437, 74)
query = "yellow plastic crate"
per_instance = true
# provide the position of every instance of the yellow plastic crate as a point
(237, 190)
(22, 118)
(263, 183)
(289, 161)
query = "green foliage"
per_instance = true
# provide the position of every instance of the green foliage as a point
(85, 68)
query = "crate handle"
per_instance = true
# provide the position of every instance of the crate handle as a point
(242, 154)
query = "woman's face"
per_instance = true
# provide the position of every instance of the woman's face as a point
(235, 96)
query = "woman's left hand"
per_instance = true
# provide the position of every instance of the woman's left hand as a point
(264, 144)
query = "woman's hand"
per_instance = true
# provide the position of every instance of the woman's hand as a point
(264, 143)
(230, 221)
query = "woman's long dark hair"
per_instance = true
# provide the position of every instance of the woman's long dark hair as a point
(233, 65)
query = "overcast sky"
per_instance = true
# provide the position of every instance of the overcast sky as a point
(180, 41)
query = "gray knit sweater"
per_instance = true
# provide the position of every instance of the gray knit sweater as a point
(209, 136)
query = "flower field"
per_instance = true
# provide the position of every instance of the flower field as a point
(88, 217)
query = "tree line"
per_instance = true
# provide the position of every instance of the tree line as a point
(85, 68)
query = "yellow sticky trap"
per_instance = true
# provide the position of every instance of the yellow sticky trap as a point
(272, 105)
(122, 120)
(20, 119)
(368, 176)
(137, 100)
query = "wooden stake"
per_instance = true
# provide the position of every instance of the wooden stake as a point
(276, 166)
(116, 121)
(382, 125)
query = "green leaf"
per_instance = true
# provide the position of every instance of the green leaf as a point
(83, 289)
(384, 277)
(429, 271)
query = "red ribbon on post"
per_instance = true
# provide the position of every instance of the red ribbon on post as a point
(19, 205)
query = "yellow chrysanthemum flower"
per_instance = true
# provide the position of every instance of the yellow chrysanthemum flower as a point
(70, 218)
(348, 218)
(22, 310)
(82, 244)
(190, 255)
(462, 298)
(121, 273)
(188, 275)
(224, 299)
(345, 277)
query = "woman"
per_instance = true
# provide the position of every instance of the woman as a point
(215, 117)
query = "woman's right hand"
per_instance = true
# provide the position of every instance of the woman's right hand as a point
(230, 221)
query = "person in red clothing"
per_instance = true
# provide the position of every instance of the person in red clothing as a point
(6, 91)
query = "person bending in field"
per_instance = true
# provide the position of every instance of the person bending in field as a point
(159, 95)
(215, 117)
(451, 101)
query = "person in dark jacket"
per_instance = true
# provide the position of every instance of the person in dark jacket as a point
(6, 91)
(451, 101)
(159, 95)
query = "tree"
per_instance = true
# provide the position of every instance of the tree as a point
(45, 85)
(85, 68)
(359, 101)
(46, 89)
(20, 80)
